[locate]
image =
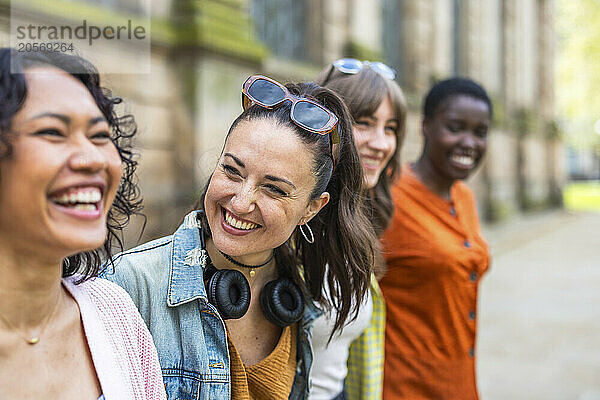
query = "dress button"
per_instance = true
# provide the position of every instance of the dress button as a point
(453, 211)
(467, 244)
(471, 352)
(471, 314)
(473, 276)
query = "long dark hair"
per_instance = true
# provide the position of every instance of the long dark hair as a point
(13, 92)
(363, 93)
(345, 247)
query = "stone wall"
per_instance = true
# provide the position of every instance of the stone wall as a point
(203, 50)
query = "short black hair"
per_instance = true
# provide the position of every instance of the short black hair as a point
(451, 87)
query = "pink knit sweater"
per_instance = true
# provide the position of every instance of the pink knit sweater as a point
(122, 350)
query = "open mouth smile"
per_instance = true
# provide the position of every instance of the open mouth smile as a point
(79, 201)
(465, 160)
(233, 222)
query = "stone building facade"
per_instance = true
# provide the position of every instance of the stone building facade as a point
(202, 51)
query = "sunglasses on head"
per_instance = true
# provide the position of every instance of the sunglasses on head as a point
(354, 66)
(305, 113)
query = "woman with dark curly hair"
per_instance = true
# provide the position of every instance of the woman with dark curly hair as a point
(66, 190)
(230, 297)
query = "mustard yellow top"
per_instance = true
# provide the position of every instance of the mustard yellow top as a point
(270, 378)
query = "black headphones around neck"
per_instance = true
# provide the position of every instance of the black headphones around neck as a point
(281, 300)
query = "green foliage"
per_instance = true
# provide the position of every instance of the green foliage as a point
(582, 196)
(578, 70)
(528, 203)
(500, 119)
(552, 130)
(498, 210)
(361, 52)
(524, 121)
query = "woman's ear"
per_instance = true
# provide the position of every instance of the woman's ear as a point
(314, 207)
(425, 127)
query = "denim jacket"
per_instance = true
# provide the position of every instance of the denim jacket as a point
(165, 280)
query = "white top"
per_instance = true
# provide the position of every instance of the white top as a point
(329, 368)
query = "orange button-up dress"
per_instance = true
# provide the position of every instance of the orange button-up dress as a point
(435, 256)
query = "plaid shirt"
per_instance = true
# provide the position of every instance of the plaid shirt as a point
(365, 359)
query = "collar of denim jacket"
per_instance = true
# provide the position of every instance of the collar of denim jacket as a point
(188, 258)
(311, 312)
(186, 275)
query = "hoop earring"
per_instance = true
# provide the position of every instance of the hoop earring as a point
(312, 237)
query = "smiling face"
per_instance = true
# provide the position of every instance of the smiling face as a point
(57, 185)
(456, 137)
(375, 137)
(260, 189)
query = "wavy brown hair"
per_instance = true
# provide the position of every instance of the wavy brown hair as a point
(345, 246)
(13, 93)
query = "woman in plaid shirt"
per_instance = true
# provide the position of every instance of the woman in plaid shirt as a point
(349, 365)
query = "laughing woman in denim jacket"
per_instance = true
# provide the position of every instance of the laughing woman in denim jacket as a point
(230, 297)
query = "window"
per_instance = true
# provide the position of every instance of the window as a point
(392, 34)
(280, 25)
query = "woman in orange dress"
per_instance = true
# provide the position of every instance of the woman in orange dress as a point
(435, 252)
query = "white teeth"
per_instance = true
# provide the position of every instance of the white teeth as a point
(238, 224)
(463, 160)
(85, 207)
(88, 196)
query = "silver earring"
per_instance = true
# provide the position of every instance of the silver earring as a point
(312, 237)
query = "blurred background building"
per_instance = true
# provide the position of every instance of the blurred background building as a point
(202, 51)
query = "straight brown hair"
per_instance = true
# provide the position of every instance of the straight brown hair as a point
(363, 93)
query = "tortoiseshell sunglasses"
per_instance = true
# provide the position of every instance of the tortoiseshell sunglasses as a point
(305, 113)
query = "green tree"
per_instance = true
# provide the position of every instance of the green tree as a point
(578, 70)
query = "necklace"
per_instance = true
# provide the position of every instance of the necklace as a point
(250, 267)
(33, 339)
